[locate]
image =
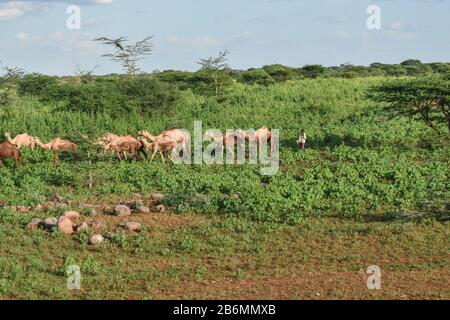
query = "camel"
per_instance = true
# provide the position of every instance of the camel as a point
(8, 150)
(160, 145)
(23, 140)
(229, 140)
(261, 135)
(129, 146)
(113, 143)
(178, 135)
(57, 145)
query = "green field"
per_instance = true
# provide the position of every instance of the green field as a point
(368, 190)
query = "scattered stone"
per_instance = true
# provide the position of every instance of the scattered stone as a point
(144, 210)
(131, 226)
(34, 224)
(65, 225)
(160, 208)
(96, 239)
(49, 205)
(39, 207)
(157, 197)
(21, 209)
(136, 195)
(81, 227)
(50, 223)
(72, 215)
(122, 210)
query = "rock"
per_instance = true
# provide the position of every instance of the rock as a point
(50, 223)
(96, 239)
(39, 207)
(131, 226)
(49, 205)
(65, 225)
(34, 224)
(72, 215)
(157, 197)
(122, 210)
(80, 227)
(160, 208)
(21, 209)
(136, 195)
(144, 210)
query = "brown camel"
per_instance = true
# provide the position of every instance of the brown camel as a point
(23, 140)
(178, 135)
(229, 139)
(261, 135)
(133, 147)
(57, 145)
(7, 150)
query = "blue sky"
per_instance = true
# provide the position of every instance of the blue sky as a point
(257, 32)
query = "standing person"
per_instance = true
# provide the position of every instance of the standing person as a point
(302, 140)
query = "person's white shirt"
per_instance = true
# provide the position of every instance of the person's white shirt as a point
(302, 138)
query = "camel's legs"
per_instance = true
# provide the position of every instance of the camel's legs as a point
(162, 157)
(153, 155)
(55, 158)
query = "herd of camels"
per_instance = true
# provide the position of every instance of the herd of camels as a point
(162, 144)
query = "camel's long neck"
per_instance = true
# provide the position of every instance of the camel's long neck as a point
(44, 146)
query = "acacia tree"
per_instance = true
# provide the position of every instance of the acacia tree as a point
(426, 97)
(218, 70)
(128, 54)
(9, 83)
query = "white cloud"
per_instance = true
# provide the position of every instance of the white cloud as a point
(25, 36)
(16, 9)
(198, 41)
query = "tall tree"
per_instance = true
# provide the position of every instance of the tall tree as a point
(128, 54)
(427, 97)
(218, 70)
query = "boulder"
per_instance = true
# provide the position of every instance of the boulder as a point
(34, 224)
(122, 210)
(81, 227)
(50, 223)
(21, 209)
(132, 226)
(144, 210)
(157, 197)
(72, 215)
(65, 225)
(96, 239)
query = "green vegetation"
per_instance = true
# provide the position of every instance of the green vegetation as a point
(364, 179)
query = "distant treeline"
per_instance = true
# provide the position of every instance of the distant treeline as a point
(271, 74)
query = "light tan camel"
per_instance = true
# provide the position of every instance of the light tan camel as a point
(8, 150)
(23, 140)
(160, 145)
(57, 145)
(181, 136)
